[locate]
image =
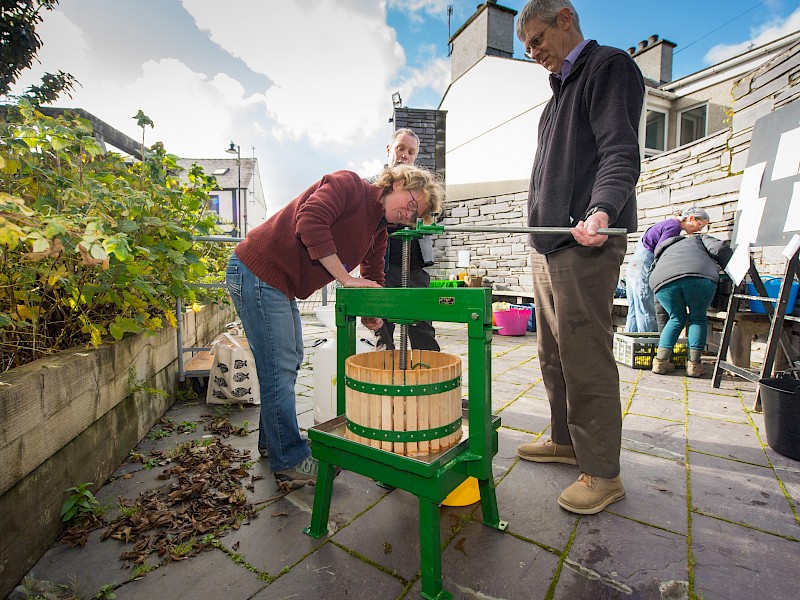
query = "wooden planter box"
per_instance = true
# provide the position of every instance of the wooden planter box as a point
(69, 419)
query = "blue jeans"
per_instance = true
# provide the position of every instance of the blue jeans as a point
(272, 325)
(692, 294)
(641, 304)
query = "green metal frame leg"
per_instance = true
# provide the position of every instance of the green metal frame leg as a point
(322, 501)
(491, 514)
(430, 551)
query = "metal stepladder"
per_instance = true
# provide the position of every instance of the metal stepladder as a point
(430, 477)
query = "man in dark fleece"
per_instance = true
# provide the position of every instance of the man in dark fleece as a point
(584, 177)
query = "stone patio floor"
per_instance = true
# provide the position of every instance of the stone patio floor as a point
(711, 510)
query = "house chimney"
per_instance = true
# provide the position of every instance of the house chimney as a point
(488, 32)
(654, 57)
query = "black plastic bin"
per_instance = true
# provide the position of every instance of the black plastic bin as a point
(780, 401)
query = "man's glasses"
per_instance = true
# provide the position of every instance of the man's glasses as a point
(536, 42)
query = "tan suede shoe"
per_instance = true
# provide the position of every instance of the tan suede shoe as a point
(662, 367)
(547, 451)
(589, 495)
(694, 369)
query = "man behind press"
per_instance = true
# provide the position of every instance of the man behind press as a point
(403, 149)
(584, 176)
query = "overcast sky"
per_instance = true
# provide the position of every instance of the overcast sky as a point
(308, 83)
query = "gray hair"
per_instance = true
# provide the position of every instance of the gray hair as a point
(545, 11)
(696, 212)
(403, 131)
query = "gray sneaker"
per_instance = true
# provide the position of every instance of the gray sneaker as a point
(303, 474)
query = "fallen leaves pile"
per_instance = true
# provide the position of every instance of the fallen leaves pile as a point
(203, 499)
(222, 426)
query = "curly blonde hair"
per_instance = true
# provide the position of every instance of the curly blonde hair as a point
(415, 179)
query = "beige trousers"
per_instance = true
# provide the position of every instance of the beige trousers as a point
(573, 291)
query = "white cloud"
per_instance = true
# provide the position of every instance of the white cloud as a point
(434, 75)
(367, 168)
(763, 34)
(412, 7)
(65, 49)
(334, 66)
(332, 63)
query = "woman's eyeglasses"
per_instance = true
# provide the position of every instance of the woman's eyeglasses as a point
(412, 207)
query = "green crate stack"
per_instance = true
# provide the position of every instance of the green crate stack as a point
(637, 350)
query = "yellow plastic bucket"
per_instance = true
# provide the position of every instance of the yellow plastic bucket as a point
(464, 495)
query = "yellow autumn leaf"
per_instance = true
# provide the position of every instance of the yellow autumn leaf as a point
(196, 307)
(25, 312)
(173, 322)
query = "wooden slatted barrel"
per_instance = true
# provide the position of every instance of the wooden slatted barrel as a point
(410, 412)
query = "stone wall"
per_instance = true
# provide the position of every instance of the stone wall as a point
(71, 418)
(706, 173)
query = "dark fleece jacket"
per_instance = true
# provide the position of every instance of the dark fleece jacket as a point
(588, 152)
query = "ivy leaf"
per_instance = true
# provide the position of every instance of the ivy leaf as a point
(118, 247)
(59, 143)
(120, 325)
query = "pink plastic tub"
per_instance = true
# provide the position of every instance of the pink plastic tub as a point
(513, 321)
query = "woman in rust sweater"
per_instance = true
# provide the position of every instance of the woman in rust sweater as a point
(336, 225)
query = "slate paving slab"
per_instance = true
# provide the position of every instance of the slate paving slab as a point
(717, 406)
(388, 534)
(625, 556)
(527, 499)
(661, 386)
(655, 491)
(742, 493)
(742, 530)
(210, 576)
(734, 562)
(505, 392)
(86, 569)
(482, 563)
(526, 414)
(662, 408)
(332, 573)
(738, 441)
(659, 435)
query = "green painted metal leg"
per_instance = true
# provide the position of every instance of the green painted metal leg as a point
(491, 515)
(430, 551)
(322, 501)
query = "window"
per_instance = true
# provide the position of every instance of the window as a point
(655, 135)
(692, 124)
(213, 203)
(221, 171)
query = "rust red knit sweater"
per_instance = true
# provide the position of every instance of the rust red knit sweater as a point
(340, 214)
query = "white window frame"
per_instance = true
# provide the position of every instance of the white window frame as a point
(650, 152)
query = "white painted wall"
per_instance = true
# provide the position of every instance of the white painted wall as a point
(493, 113)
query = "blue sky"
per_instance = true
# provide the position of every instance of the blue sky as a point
(305, 85)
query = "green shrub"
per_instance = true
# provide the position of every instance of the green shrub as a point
(92, 245)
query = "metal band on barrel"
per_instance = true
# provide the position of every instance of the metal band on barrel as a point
(381, 389)
(420, 435)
